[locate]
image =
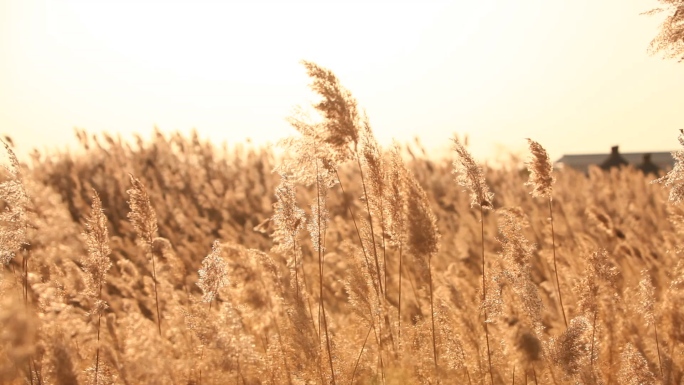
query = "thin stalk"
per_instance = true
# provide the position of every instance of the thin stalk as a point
(320, 276)
(467, 374)
(484, 296)
(432, 316)
(353, 217)
(660, 363)
(156, 295)
(670, 375)
(358, 359)
(400, 275)
(513, 374)
(591, 354)
(294, 251)
(202, 352)
(278, 334)
(308, 303)
(593, 335)
(553, 376)
(97, 349)
(370, 222)
(306, 290)
(24, 265)
(555, 267)
(382, 239)
(376, 286)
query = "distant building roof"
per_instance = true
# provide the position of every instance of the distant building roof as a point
(581, 162)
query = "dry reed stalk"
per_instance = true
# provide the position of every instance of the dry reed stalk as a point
(318, 227)
(96, 264)
(315, 154)
(396, 192)
(647, 308)
(516, 252)
(470, 176)
(375, 201)
(268, 264)
(289, 220)
(423, 241)
(542, 180)
(212, 277)
(14, 220)
(144, 221)
(365, 301)
(599, 270)
(342, 132)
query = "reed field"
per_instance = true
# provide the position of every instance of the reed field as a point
(334, 261)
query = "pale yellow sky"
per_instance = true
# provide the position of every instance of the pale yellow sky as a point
(573, 75)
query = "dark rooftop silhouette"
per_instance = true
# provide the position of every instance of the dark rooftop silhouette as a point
(614, 159)
(647, 166)
(581, 162)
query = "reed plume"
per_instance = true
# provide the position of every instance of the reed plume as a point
(675, 177)
(96, 265)
(570, 349)
(343, 129)
(339, 109)
(13, 218)
(312, 159)
(14, 225)
(634, 368)
(213, 275)
(470, 176)
(517, 254)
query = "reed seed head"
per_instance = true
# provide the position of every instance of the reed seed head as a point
(214, 273)
(142, 215)
(96, 235)
(470, 176)
(541, 171)
(13, 219)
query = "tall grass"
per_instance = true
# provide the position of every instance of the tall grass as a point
(396, 280)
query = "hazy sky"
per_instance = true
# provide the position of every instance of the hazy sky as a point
(572, 74)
